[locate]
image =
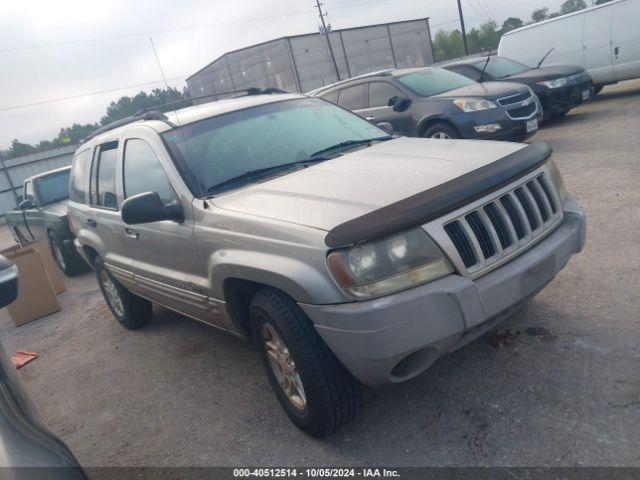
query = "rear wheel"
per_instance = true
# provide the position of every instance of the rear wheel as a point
(70, 263)
(318, 394)
(130, 310)
(441, 130)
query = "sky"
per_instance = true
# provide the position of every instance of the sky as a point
(68, 48)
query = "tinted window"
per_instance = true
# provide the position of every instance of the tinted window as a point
(28, 191)
(106, 178)
(53, 188)
(433, 81)
(467, 71)
(220, 148)
(380, 93)
(79, 177)
(331, 96)
(502, 67)
(143, 172)
(352, 98)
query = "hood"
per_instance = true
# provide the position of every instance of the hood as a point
(484, 90)
(327, 194)
(57, 208)
(546, 73)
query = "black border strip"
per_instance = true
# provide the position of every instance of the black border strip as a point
(431, 204)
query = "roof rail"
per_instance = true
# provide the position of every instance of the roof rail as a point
(379, 73)
(153, 114)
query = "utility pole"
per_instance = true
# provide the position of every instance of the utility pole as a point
(326, 30)
(464, 32)
(6, 172)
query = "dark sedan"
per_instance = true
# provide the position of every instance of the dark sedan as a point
(437, 103)
(559, 88)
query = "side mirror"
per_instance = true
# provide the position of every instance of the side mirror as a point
(386, 126)
(147, 207)
(26, 204)
(399, 103)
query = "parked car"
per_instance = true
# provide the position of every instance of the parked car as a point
(42, 214)
(29, 449)
(437, 103)
(559, 88)
(348, 254)
(603, 39)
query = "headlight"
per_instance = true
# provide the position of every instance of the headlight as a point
(388, 265)
(557, 83)
(556, 178)
(473, 104)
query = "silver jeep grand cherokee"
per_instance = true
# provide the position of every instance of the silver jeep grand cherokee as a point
(347, 254)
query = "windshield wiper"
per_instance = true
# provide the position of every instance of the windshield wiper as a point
(351, 143)
(260, 173)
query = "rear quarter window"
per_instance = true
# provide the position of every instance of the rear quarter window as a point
(79, 179)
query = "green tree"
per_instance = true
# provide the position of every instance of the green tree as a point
(511, 23)
(126, 106)
(572, 6)
(540, 14)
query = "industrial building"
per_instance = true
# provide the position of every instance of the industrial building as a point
(303, 62)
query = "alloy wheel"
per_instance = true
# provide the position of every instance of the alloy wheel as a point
(111, 294)
(283, 367)
(441, 135)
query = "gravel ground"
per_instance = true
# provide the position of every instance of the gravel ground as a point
(559, 387)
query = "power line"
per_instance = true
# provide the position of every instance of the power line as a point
(99, 92)
(178, 29)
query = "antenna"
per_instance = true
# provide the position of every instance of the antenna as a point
(155, 53)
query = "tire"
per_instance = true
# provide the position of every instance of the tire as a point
(331, 396)
(597, 89)
(71, 263)
(130, 310)
(441, 130)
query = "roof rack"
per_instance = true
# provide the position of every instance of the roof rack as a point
(152, 113)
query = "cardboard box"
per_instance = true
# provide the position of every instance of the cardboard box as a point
(44, 250)
(36, 295)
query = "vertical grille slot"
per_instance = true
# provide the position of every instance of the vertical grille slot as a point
(545, 188)
(539, 201)
(527, 207)
(499, 225)
(461, 242)
(481, 233)
(514, 216)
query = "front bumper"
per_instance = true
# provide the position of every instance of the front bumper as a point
(560, 100)
(397, 337)
(512, 130)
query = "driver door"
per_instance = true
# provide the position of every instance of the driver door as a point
(165, 262)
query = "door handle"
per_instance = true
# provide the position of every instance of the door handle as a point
(91, 222)
(371, 119)
(131, 233)
(616, 51)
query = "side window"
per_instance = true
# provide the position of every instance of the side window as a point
(352, 98)
(143, 172)
(79, 177)
(103, 191)
(467, 71)
(380, 93)
(331, 96)
(28, 190)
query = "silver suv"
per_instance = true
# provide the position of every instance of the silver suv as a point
(349, 255)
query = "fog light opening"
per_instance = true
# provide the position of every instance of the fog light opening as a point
(414, 364)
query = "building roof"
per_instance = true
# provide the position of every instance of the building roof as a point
(426, 19)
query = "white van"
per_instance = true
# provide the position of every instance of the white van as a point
(604, 40)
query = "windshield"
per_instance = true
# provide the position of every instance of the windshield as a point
(502, 67)
(221, 148)
(433, 81)
(53, 188)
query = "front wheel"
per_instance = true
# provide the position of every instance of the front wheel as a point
(130, 310)
(318, 394)
(441, 130)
